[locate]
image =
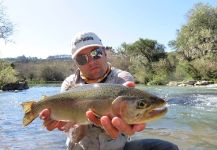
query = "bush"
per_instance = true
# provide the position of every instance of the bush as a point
(52, 74)
(7, 73)
(206, 66)
(141, 70)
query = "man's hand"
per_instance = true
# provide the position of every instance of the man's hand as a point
(51, 124)
(116, 125)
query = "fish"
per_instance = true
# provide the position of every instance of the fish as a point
(132, 105)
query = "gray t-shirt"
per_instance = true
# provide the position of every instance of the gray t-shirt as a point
(95, 137)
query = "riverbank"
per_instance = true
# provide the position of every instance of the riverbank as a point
(192, 83)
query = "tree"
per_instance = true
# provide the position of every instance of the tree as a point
(199, 36)
(151, 50)
(6, 27)
(7, 73)
(51, 74)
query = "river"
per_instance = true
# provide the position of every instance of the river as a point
(191, 121)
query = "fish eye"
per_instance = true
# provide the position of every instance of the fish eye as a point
(141, 104)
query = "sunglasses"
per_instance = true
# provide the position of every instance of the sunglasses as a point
(84, 58)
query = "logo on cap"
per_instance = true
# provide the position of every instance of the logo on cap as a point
(83, 39)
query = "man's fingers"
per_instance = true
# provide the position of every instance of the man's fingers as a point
(108, 127)
(50, 124)
(129, 84)
(138, 127)
(45, 114)
(122, 126)
(60, 125)
(67, 126)
(91, 117)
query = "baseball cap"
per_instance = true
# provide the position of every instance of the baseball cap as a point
(84, 40)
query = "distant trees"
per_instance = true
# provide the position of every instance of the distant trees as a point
(51, 74)
(43, 70)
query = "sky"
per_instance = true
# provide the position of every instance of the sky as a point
(46, 27)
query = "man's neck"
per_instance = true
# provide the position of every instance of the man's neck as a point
(87, 80)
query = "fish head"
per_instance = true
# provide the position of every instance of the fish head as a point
(134, 110)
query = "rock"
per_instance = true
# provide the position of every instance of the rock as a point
(199, 83)
(182, 84)
(15, 86)
(190, 82)
(173, 83)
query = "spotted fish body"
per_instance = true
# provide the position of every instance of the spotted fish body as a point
(131, 104)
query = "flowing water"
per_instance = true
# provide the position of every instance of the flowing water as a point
(191, 121)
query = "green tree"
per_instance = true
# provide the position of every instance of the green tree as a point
(150, 50)
(199, 36)
(7, 73)
(51, 74)
(141, 56)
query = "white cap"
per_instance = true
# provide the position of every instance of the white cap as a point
(84, 40)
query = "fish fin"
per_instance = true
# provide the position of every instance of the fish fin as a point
(29, 116)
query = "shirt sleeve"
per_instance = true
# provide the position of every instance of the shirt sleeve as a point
(123, 77)
(68, 83)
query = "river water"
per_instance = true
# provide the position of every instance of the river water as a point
(191, 121)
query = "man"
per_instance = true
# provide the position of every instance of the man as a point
(105, 133)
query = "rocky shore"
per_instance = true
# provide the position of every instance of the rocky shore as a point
(21, 85)
(192, 83)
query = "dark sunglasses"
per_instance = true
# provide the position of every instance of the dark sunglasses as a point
(94, 54)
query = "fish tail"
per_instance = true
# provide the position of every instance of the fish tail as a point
(29, 115)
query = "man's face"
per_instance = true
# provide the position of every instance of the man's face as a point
(95, 67)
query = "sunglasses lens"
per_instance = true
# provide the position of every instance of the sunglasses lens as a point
(96, 54)
(81, 59)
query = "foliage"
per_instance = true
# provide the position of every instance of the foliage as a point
(161, 72)
(51, 74)
(199, 36)
(148, 49)
(141, 69)
(118, 60)
(206, 66)
(7, 73)
(36, 70)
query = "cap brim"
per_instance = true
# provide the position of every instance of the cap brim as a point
(84, 47)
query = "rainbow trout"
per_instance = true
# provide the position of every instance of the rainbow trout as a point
(134, 106)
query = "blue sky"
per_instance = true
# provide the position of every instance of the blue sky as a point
(46, 27)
